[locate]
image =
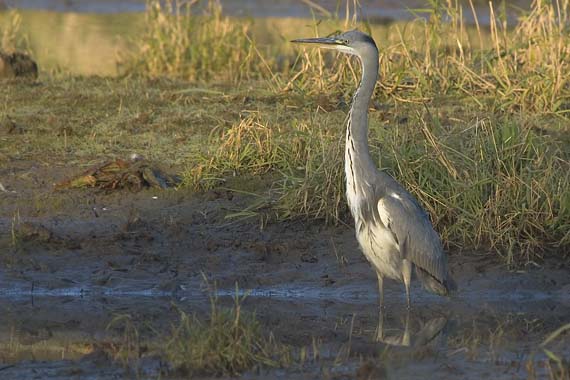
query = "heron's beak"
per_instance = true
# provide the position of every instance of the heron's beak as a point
(329, 42)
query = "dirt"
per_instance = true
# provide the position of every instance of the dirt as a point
(71, 261)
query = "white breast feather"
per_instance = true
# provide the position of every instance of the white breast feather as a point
(379, 245)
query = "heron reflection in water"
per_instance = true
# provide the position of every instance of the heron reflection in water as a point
(416, 334)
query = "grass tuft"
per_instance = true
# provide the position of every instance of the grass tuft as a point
(226, 342)
(206, 47)
(229, 343)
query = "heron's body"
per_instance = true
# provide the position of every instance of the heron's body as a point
(393, 231)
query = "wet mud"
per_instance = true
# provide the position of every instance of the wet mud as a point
(72, 261)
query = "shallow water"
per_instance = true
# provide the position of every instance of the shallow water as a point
(478, 332)
(93, 37)
(76, 43)
(369, 9)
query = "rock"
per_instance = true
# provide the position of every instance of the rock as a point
(17, 64)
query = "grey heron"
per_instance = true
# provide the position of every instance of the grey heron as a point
(393, 230)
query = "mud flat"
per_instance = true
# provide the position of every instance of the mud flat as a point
(68, 276)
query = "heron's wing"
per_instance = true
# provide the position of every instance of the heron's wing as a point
(412, 229)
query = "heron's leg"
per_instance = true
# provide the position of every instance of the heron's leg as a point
(407, 276)
(406, 338)
(380, 328)
(380, 290)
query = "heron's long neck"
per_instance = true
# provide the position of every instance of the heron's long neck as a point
(357, 154)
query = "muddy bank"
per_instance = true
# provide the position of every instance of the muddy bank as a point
(74, 260)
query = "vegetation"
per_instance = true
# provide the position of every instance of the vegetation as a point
(202, 47)
(228, 341)
(472, 123)
(228, 344)
(472, 120)
(557, 366)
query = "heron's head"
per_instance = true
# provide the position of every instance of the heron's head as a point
(352, 42)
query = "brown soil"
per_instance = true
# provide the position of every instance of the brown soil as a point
(72, 260)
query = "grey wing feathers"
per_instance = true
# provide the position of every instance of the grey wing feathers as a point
(418, 241)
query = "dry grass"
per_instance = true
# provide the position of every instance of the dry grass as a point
(9, 33)
(555, 366)
(491, 182)
(204, 47)
(473, 125)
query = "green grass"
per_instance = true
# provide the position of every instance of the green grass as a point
(228, 341)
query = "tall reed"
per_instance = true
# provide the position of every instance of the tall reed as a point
(198, 47)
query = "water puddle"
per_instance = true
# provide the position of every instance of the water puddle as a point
(471, 334)
(304, 293)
